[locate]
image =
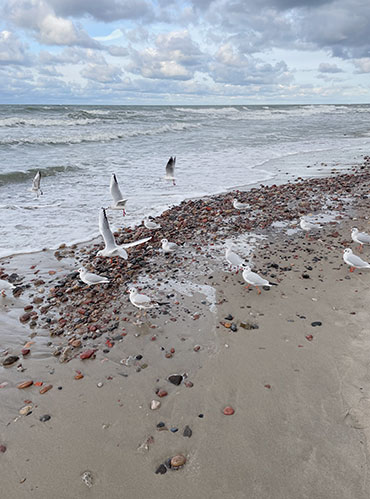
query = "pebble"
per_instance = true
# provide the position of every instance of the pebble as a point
(178, 461)
(155, 404)
(87, 354)
(161, 469)
(87, 478)
(25, 384)
(162, 393)
(228, 411)
(45, 417)
(187, 431)
(10, 360)
(46, 388)
(161, 424)
(316, 323)
(174, 429)
(175, 379)
(2, 448)
(25, 410)
(196, 348)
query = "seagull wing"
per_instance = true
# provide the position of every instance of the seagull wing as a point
(105, 231)
(135, 243)
(95, 278)
(363, 237)
(234, 259)
(356, 261)
(142, 299)
(256, 279)
(36, 181)
(115, 190)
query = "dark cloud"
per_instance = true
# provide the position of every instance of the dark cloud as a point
(12, 50)
(104, 10)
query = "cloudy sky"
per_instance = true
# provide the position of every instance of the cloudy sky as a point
(189, 52)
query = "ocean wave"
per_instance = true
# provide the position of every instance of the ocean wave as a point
(16, 121)
(97, 137)
(18, 177)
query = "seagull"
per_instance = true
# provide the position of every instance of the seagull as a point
(36, 184)
(168, 247)
(240, 206)
(149, 224)
(354, 261)
(254, 279)
(170, 169)
(89, 278)
(119, 202)
(111, 248)
(360, 237)
(234, 259)
(307, 226)
(5, 286)
(141, 301)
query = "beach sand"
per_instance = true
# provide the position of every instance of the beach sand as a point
(295, 371)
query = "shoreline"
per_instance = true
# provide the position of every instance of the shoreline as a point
(298, 390)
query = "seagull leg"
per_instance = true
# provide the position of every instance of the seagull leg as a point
(124, 212)
(3, 292)
(352, 269)
(258, 290)
(360, 248)
(173, 182)
(247, 287)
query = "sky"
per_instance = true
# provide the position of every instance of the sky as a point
(129, 52)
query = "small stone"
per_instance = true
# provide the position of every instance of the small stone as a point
(187, 431)
(161, 424)
(162, 393)
(233, 328)
(100, 384)
(25, 351)
(229, 317)
(79, 376)
(175, 379)
(45, 417)
(178, 461)
(309, 337)
(87, 354)
(10, 360)
(87, 478)
(161, 469)
(46, 388)
(316, 323)
(174, 429)
(228, 411)
(25, 317)
(196, 348)
(2, 448)
(25, 384)
(155, 404)
(189, 384)
(25, 410)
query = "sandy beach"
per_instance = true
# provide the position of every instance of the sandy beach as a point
(292, 362)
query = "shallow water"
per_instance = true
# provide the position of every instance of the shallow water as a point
(76, 148)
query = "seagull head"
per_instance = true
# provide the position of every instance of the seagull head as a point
(164, 241)
(246, 267)
(354, 230)
(81, 269)
(347, 251)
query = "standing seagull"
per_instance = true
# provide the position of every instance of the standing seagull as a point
(36, 184)
(354, 261)
(143, 302)
(307, 226)
(170, 169)
(111, 248)
(234, 259)
(149, 224)
(360, 237)
(119, 202)
(240, 206)
(168, 247)
(89, 278)
(254, 279)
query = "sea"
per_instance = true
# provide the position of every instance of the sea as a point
(217, 149)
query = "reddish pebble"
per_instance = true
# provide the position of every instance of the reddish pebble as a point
(172, 350)
(162, 393)
(188, 384)
(46, 388)
(25, 384)
(228, 411)
(268, 386)
(153, 338)
(79, 376)
(309, 337)
(2, 448)
(25, 351)
(87, 354)
(196, 348)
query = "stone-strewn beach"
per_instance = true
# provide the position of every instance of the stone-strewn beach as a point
(291, 363)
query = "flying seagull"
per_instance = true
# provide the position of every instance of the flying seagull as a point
(170, 169)
(119, 202)
(36, 184)
(111, 248)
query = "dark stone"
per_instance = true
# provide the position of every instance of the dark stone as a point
(229, 317)
(175, 379)
(233, 327)
(174, 430)
(139, 357)
(187, 431)
(305, 276)
(10, 360)
(45, 417)
(161, 424)
(161, 469)
(200, 415)
(316, 323)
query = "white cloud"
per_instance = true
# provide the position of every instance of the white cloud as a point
(115, 35)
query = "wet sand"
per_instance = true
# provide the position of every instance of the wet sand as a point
(296, 374)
